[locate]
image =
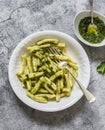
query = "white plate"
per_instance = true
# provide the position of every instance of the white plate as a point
(74, 50)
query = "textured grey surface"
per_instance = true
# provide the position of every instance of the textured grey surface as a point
(18, 19)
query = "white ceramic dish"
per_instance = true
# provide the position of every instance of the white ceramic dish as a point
(74, 50)
(77, 20)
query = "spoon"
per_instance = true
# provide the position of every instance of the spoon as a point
(92, 28)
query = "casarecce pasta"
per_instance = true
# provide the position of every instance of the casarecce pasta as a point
(43, 79)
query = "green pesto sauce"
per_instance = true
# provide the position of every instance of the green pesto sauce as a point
(98, 35)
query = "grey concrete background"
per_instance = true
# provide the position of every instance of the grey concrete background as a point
(18, 19)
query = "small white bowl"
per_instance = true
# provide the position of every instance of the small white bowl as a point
(77, 20)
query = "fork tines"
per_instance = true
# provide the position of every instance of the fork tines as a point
(54, 50)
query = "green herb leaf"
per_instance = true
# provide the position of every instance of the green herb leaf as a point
(101, 68)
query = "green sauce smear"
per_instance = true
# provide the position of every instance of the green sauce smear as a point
(92, 35)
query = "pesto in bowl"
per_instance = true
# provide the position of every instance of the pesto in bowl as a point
(92, 35)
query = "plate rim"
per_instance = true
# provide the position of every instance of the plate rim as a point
(26, 39)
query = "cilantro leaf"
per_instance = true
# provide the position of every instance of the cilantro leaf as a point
(101, 68)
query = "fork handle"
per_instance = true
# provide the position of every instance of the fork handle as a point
(89, 96)
(91, 8)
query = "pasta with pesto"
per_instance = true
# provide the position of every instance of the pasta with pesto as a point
(41, 76)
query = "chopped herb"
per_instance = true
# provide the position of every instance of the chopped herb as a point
(52, 71)
(45, 73)
(45, 97)
(45, 50)
(47, 61)
(27, 76)
(49, 85)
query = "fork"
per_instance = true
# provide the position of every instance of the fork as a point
(89, 96)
